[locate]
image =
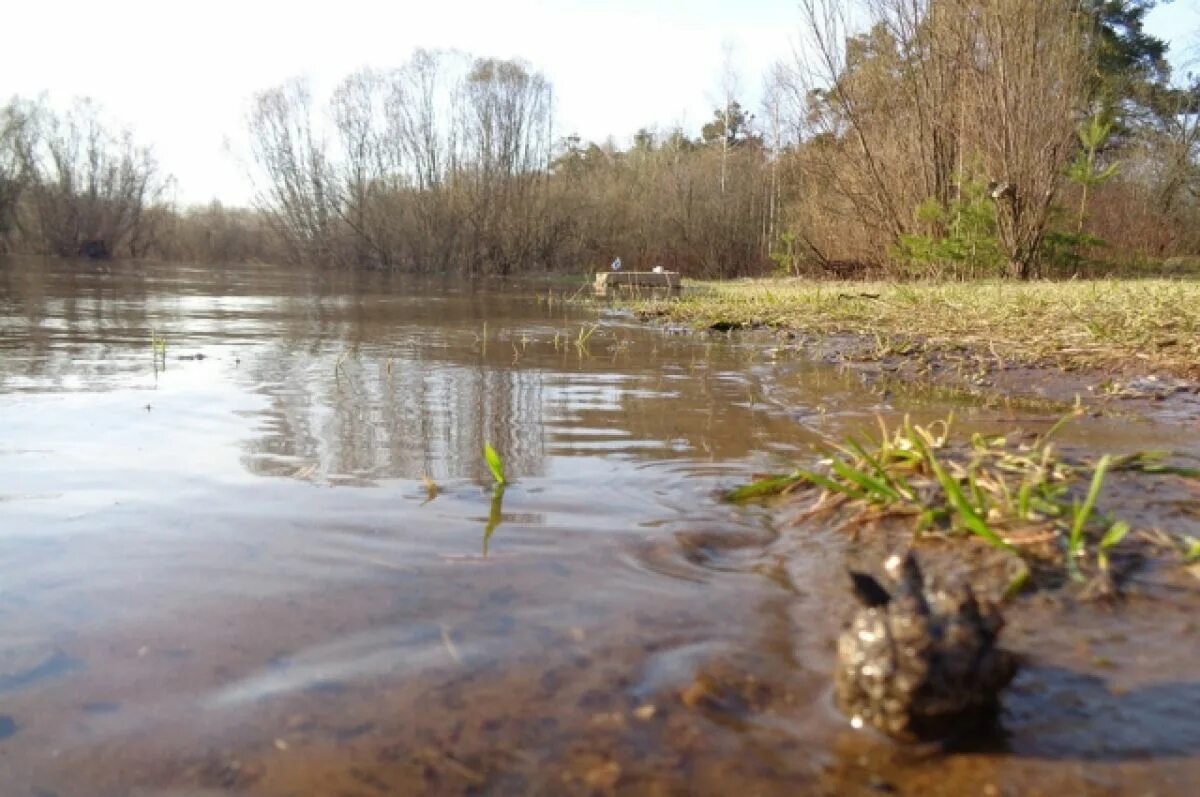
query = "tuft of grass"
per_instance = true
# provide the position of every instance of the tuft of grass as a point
(585, 335)
(1075, 540)
(158, 345)
(495, 464)
(1019, 497)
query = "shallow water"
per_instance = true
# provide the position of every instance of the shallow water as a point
(227, 573)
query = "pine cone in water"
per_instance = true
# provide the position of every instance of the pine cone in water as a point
(920, 662)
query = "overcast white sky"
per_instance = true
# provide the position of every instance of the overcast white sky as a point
(180, 75)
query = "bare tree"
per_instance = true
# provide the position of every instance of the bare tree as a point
(15, 173)
(297, 185)
(504, 109)
(424, 134)
(1029, 85)
(90, 187)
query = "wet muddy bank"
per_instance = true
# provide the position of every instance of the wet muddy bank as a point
(914, 367)
(1128, 343)
(1077, 650)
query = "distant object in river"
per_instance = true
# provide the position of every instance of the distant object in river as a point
(616, 264)
(636, 280)
(657, 269)
(94, 249)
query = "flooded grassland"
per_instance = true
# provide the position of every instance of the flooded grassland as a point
(249, 544)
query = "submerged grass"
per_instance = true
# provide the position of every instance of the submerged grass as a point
(1016, 495)
(158, 345)
(1088, 323)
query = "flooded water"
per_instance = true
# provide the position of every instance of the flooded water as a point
(222, 568)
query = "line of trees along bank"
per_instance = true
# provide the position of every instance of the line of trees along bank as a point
(449, 162)
(982, 137)
(941, 138)
(72, 184)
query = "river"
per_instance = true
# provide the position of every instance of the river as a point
(250, 544)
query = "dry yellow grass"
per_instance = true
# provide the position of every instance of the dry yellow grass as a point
(1150, 324)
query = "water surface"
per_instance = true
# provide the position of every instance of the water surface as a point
(223, 568)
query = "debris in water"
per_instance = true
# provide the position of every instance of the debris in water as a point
(920, 661)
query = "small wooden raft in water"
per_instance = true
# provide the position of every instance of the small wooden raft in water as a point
(637, 279)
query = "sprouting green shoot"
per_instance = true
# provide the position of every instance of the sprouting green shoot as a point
(495, 464)
(1010, 494)
(1059, 424)
(1083, 513)
(585, 334)
(971, 519)
(874, 489)
(1075, 538)
(1191, 553)
(1112, 538)
(765, 487)
(1116, 532)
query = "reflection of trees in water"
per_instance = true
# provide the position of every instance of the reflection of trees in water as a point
(418, 417)
(400, 413)
(63, 324)
(74, 324)
(418, 390)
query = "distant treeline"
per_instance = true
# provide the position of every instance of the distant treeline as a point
(944, 138)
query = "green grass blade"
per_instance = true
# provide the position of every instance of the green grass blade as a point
(1053, 430)
(833, 486)
(764, 488)
(868, 483)
(1192, 553)
(1023, 500)
(1082, 514)
(1116, 532)
(900, 488)
(1111, 538)
(970, 517)
(495, 464)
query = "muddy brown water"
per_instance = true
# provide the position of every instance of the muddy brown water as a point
(226, 574)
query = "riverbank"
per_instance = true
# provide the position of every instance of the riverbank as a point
(1132, 344)
(1095, 324)
(1125, 346)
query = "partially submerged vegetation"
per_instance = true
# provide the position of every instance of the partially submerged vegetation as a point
(1018, 495)
(1152, 325)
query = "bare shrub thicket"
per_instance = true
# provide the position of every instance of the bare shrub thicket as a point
(71, 184)
(908, 138)
(452, 163)
(92, 185)
(15, 129)
(898, 120)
